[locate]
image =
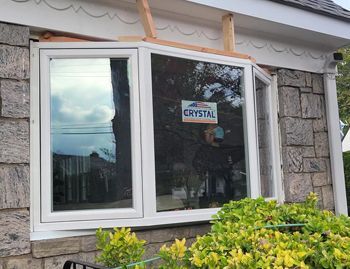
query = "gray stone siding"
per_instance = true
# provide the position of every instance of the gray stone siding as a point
(14, 143)
(303, 125)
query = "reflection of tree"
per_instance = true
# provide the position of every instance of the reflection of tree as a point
(176, 79)
(121, 127)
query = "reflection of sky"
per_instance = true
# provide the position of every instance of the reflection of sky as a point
(81, 106)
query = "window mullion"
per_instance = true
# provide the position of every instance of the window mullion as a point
(147, 134)
(251, 134)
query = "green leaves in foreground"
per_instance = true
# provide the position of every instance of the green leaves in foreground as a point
(118, 248)
(252, 234)
(239, 239)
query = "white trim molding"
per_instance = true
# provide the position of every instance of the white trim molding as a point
(269, 40)
(335, 148)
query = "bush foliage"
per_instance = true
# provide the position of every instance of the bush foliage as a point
(262, 234)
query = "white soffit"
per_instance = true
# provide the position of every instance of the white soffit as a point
(270, 42)
(283, 14)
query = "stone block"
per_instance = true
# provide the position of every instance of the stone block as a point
(144, 235)
(321, 144)
(328, 197)
(306, 89)
(308, 80)
(21, 263)
(14, 142)
(14, 34)
(14, 98)
(168, 234)
(199, 229)
(317, 84)
(320, 125)
(14, 186)
(14, 62)
(55, 247)
(297, 187)
(152, 249)
(88, 243)
(289, 102)
(297, 132)
(14, 232)
(314, 165)
(318, 191)
(320, 179)
(58, 261)
(292, 78)
(311, 106)
(293, 158)
(87, 256)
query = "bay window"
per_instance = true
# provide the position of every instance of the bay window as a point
(133, 134)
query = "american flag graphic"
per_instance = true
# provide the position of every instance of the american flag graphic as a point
(199, 104)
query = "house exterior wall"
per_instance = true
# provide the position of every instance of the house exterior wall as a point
(304, 143)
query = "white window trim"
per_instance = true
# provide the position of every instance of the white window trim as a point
(144, 102)
(272, 97)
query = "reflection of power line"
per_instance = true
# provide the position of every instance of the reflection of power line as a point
(86, 127)
(83, 124)
(89, 76)
(81, 133)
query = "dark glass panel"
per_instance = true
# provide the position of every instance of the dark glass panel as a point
(198, 165)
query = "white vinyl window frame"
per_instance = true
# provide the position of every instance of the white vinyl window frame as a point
(273, 123)
(144, 193)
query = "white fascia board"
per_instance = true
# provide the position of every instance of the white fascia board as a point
(283, 14)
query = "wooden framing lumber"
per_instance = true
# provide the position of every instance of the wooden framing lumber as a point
(130, 38)
(146, 18)
(228, 31)
(50, 37)
(197, 48)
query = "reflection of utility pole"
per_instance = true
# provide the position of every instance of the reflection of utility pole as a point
(121, 128)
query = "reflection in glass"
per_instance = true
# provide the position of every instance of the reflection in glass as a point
(264, 138)
(90, 134)
(198, 165)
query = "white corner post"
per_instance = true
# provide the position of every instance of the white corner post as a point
(335, 148)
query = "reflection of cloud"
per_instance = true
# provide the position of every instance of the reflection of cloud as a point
(81, 99)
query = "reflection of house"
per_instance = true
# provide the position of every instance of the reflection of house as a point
(84, 179)
(289, 138)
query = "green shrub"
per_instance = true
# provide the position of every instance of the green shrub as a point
(254, 233)
(346, 159)
(260, 234)
(118, 248)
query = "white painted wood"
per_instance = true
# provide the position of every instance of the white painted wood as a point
(277, 143)
(34, 137)
(335, 144)
(272, 37)
(281, 14)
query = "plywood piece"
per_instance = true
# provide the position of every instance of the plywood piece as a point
(228, 31)
(146, 18)
(130, 38)
(197, 48)
(50, 37)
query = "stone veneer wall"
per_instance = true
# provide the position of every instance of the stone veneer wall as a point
(303, 125)
(305, 155)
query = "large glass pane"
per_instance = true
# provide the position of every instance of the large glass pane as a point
(198, 132)
(90, 134)
(265, 138)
